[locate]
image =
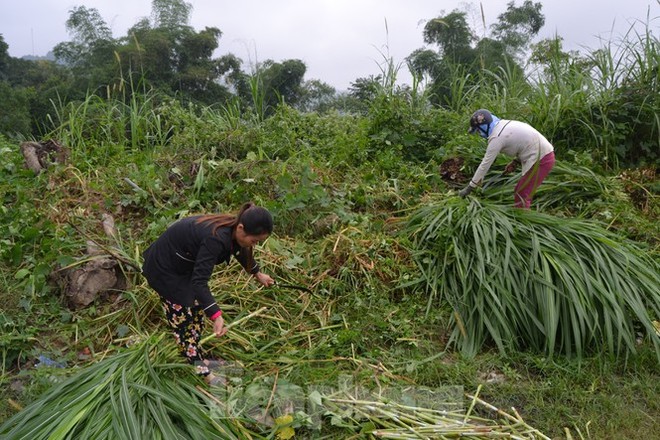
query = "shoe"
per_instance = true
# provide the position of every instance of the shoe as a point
(214, 363)
(215, 381)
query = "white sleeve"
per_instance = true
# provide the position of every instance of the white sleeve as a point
(493, 149)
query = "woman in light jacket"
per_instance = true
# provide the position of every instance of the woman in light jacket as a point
(518, 140)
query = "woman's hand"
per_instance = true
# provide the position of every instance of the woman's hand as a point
(219, 326)
(264, 280)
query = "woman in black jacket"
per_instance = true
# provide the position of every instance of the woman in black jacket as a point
(179, 264)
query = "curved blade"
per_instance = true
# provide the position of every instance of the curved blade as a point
(293, 286)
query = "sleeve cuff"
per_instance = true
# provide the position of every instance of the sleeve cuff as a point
(216, 315)
(212, 310)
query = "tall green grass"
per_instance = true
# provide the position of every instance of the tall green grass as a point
(603, 101)
(101, 127)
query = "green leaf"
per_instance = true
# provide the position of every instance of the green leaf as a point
(316, 398)
(22, 273)
(122, 330)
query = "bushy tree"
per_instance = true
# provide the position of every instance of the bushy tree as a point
(453, 37)
(14, 110)
(163, 53)
(172, 57)
(171, 14)
(27, 90)
(90, 54)
(4, 57)
(518, 25)
(316, 95)
(270, 84)
(363, 92)
(283, 81)
(459, 50)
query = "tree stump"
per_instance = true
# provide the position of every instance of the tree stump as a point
(84, 284)
(39, 155)
(101, 275)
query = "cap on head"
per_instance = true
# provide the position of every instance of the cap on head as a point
(480, 117)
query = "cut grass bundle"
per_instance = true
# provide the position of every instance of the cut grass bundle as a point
(529, 280)
(567, 187)
(141, 392)
(386, 418)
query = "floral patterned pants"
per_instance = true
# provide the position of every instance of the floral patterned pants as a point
(187, 324)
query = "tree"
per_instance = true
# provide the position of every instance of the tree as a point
(424, 63)
(452, 35)
(270, 84)
(454, 38)
(14, 101)
(316, 95)
(148, 54)
(283, 81)
(365, 89)
(549, 54)
(27, 90)
(14, 110)
(4, 57)
(492, 54)
(89, 32)
(91, 54)
(169, 55)
(198, 72)
(460, 52)
(518, 25)
(170, 14)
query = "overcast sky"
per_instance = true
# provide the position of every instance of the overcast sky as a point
(339, 40)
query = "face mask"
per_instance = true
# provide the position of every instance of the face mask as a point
(483, 130)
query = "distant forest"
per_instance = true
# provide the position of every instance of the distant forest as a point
(168, 59)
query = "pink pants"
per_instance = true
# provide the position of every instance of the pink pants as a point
(531, 180)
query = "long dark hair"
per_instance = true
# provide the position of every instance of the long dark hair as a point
(255, 220)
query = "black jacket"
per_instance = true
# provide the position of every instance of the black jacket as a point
(179, 264)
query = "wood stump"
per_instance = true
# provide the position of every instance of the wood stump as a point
(99, 275)
(39, 155)
(82, 285)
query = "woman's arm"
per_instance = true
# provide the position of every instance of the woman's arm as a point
(494, 147)
(205, 261)
(247, 261)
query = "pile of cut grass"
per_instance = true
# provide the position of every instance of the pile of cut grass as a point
(568, 187)
(524, 279)
(144, 391)
(392, 419)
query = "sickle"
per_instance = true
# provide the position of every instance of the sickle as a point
(293, 286)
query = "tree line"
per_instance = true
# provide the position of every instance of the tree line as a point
(165, 55)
